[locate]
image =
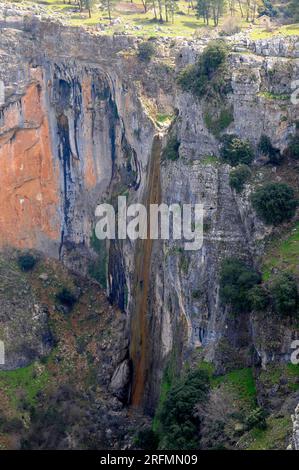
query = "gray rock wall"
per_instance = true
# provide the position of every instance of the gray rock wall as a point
(101, 104)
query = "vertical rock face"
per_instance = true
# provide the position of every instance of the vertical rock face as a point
(77, 136)
(77, 129)
(69, 135)
(231, 229)
(84, 130)
(29, 176)
(57, 150)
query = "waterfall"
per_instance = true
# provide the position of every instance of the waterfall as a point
(140, 332)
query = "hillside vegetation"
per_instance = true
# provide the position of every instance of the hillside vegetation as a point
(259, 18)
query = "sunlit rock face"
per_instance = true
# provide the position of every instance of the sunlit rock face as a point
(57, 156)
(295, 437)
(29, 177)
(69, 129)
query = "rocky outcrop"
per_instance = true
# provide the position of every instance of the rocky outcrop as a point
(187, 289)
(279, 47)
(295, 436)
(120, 381)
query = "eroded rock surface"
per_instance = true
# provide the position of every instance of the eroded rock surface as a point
(77, 128)
(295, 437)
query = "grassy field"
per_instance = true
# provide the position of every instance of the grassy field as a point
(130, 17)
(24, 383)
(286, 30)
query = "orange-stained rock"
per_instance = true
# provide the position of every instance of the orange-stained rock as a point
(29, 179)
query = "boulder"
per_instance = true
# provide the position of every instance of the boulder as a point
(120, 382)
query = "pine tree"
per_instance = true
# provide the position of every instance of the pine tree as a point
(208, 9)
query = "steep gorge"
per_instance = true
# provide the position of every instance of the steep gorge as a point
(78, 128)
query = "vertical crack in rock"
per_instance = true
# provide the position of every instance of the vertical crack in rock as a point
(113, 114)
(65, 154)
(62, 92)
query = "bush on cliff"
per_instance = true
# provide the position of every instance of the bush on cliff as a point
(238, 177)
(179, 422)
(292, 150)
(236, 281)
(146, 50)
(26, 262)
(267, 149)
(284, 292)
(236, 151)
(171, 150)
(66, 298)
(219, 122)
(274, 203)
(257, 419)
(259, 298)
(198, 77)
(267, 8)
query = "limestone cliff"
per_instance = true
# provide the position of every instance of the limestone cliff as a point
(78, 127)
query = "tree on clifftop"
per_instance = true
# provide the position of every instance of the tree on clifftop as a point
(89, 4)
(208, 9)
(293, 10)
(107, 5)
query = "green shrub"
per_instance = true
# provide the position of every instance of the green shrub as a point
(187, 79)
(212, 57)
(146, 50)
(236, 151)
(171, 150)
(293, 148)
(293, 10)
(257, 419)
(267, 8)
(259, 298)
(267, 149)
(196, 78)
(284, 293)
(236, 281)
(26, 262)
(216, 125)
(65, 297)
(238, 177)
(179, 423)
(274, 203)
